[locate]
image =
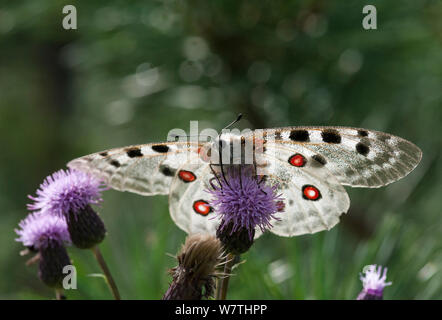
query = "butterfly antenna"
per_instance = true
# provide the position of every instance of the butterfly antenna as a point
(238, 118)
(187, 137)
(221, 161)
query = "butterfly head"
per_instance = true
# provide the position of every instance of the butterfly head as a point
(228, 149)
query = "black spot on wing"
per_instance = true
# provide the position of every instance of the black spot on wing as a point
(331, 136)
(103, 154)
(115, 163)
(319, 160)
(167, 171)
(161, 148)
(362, 133)
(134, 152)
(299, 135)
(383, 137)
(362, 148)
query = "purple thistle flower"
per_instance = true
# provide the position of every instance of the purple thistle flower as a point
(47, 234)
(243, 202)
(67, 192)
(373, 281)
(39, 230)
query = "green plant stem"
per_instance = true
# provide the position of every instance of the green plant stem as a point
(59, 294)
(110, 281)
(223, 284)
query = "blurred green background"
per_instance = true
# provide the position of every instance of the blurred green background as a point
(133, 70)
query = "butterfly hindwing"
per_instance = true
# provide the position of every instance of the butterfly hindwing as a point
(145, 169)
(313, 198)
(189, 199)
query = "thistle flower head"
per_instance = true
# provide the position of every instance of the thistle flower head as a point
(198, 259)
(244, 201)
(374, 282)
(200, 254)
(39, 230)
(67, 192)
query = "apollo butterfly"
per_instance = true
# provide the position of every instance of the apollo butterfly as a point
(309, 166)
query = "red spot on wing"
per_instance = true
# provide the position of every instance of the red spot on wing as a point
(202, 207)
(258, 145)
(297, 160)
(280, 205)
(204, 153)
(186, 176)
(310, 192)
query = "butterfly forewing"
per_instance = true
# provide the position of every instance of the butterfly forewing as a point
(145, 169)
(356, 157)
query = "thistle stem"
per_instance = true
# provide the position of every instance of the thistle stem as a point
(110, 281)
(223, 284)
(59, 294)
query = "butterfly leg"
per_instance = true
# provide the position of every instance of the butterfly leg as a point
(256, 177)
(240, 174)
(213, 185)
(215, 176)
(263, 179)
(220, 146)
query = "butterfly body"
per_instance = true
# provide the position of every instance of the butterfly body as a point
(310, 166)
